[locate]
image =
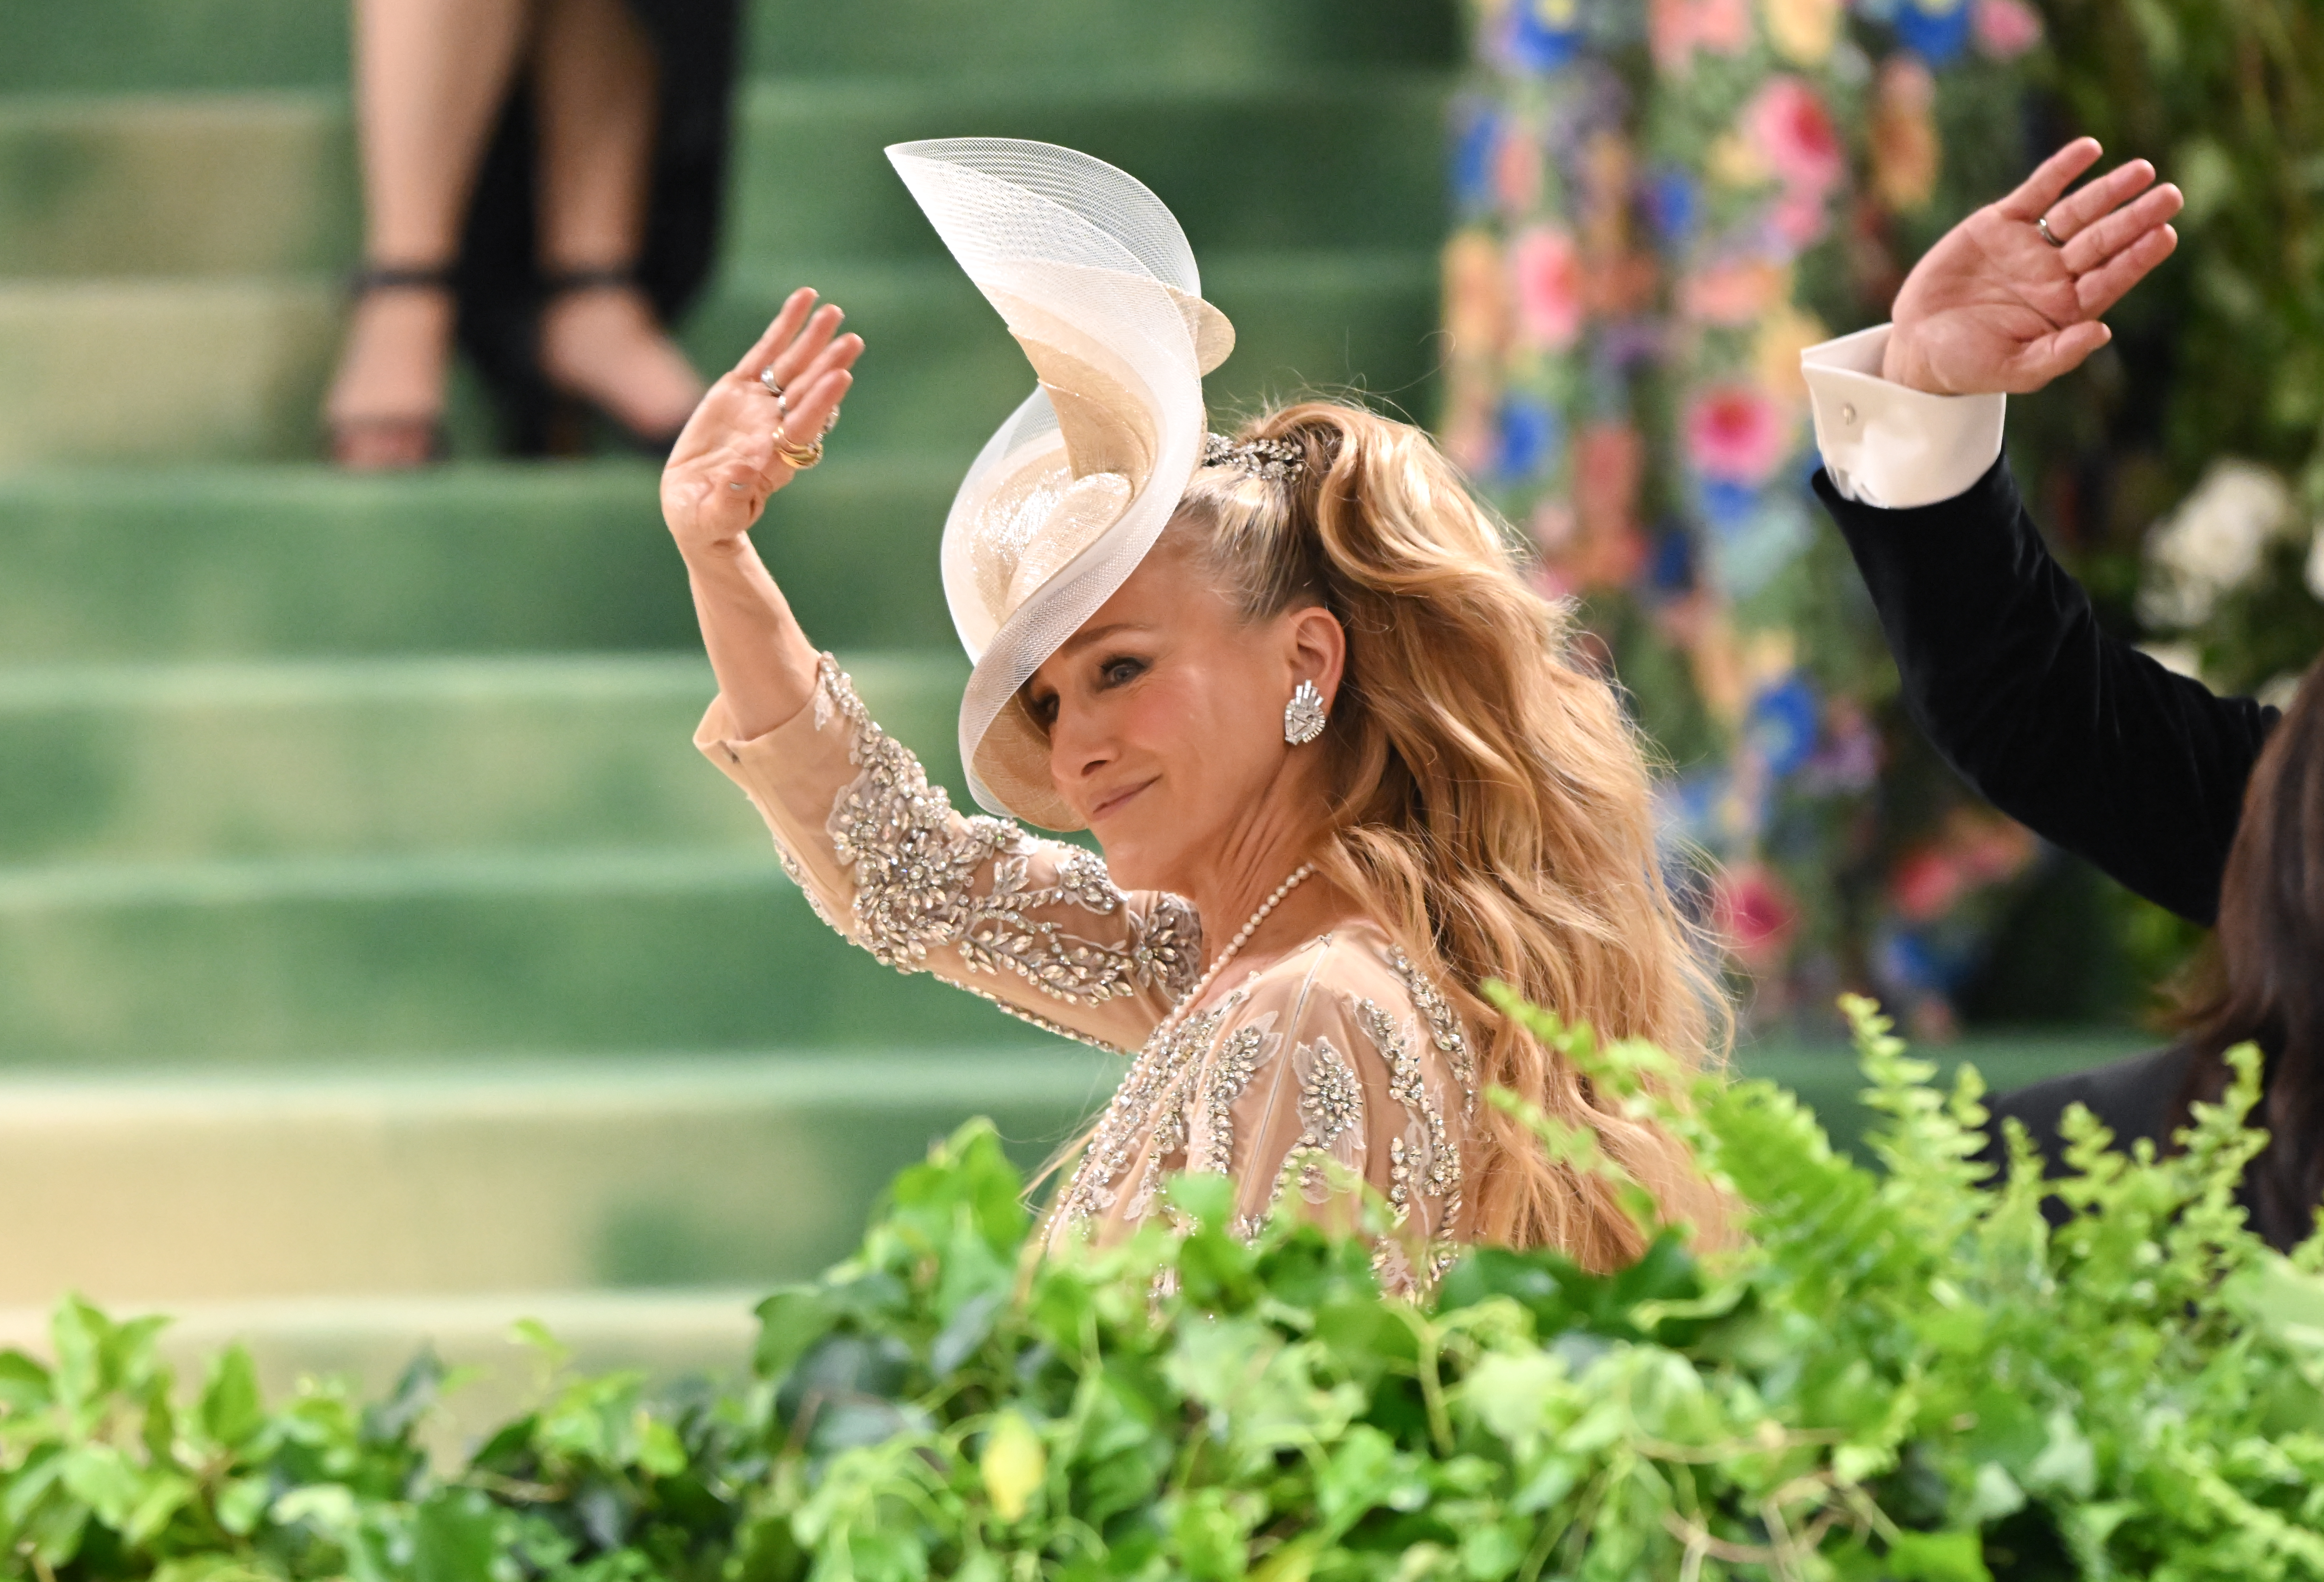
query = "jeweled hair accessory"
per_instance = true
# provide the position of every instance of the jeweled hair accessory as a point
(1276, 460)
(1097, 284)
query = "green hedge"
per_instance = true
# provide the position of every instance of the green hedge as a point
(1905, 1376)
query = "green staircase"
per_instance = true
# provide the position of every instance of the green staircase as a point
(376, 957)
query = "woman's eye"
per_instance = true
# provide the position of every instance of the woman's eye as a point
(1116, 672)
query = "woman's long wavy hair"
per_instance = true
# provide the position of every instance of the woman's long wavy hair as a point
(2262, 980)
(1492, 804)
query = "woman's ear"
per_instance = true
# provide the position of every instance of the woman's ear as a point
(1319, 650)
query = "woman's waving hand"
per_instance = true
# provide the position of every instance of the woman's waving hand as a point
(783, 394)
(778, 401)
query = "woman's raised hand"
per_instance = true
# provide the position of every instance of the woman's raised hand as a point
(727, 461)
(1996, 307)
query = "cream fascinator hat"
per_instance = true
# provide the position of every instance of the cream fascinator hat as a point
(1096, 280)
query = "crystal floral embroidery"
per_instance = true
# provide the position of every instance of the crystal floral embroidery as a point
(1435, 1160)
(1229, 1072)
(1331, 1098)
(1444, 1028)
(916, 871)
(1151, 1090)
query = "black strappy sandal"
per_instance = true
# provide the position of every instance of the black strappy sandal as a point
(424, 431)
(573, 414)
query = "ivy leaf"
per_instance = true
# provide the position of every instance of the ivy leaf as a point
(1937, 1557)
(243, 1502)
(454, 1538)
(231, 1410)
(790, 1323)
(417, 1389)
(163, 1497)
(24, 1385)
(102, 1478)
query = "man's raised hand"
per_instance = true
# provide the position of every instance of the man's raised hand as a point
(1996, 307)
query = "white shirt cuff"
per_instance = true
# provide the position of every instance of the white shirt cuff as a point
(1888, 445)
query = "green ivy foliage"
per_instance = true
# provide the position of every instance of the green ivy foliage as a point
(1901, 1374)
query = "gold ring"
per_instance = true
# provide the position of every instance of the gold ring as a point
(798, 458)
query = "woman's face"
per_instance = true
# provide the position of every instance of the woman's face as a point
(1164, 714)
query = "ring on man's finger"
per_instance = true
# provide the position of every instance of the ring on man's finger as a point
(2042, 224)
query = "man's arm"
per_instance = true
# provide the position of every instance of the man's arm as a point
(2074, 733)
(2088, 741)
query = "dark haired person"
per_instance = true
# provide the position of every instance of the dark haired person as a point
(2211, 806)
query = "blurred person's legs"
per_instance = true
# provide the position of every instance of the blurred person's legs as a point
(593, 89)
(430, 77)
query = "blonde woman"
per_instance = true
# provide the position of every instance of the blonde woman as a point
(1339, 763)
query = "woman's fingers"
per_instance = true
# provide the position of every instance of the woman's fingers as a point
(820, 398)
(816, 393)
(2049, 181)
(2106, 285)
(791, 362)
(787, 322)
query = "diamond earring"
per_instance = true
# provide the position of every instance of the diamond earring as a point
(1303, 716)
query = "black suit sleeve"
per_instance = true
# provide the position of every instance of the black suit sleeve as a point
(2080, 737)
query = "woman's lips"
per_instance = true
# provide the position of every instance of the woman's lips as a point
(1114, 802)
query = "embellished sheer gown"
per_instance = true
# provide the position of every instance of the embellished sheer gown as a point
(1339, 1051)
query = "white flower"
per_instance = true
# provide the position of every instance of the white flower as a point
(2179, 658)
(2313, 573)
(2212, 544)
(2277, 692)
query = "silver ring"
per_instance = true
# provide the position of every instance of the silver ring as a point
(2042, 224)
(767, 378)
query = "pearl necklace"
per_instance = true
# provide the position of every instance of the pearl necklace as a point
(1187, 1001)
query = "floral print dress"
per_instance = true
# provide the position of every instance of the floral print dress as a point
(1339, 1053)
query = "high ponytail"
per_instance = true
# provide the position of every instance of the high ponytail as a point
(1492, 806)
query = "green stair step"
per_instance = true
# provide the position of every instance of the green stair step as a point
(176, 184)
(117, 45)
(183, 369)
(242, 562)
(1298, 160)
(493, 1177)
(265, 183)
(138, 371)
(378, 759)
(599, 952)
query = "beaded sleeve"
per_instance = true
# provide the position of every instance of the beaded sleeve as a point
(1034, 926)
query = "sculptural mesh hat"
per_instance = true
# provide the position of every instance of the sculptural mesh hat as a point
(1096, 280)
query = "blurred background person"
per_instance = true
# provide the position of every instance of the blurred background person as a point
(541, 183)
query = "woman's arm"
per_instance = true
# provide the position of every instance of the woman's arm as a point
(2074, 733)
(721, 473)
(1034, 926)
